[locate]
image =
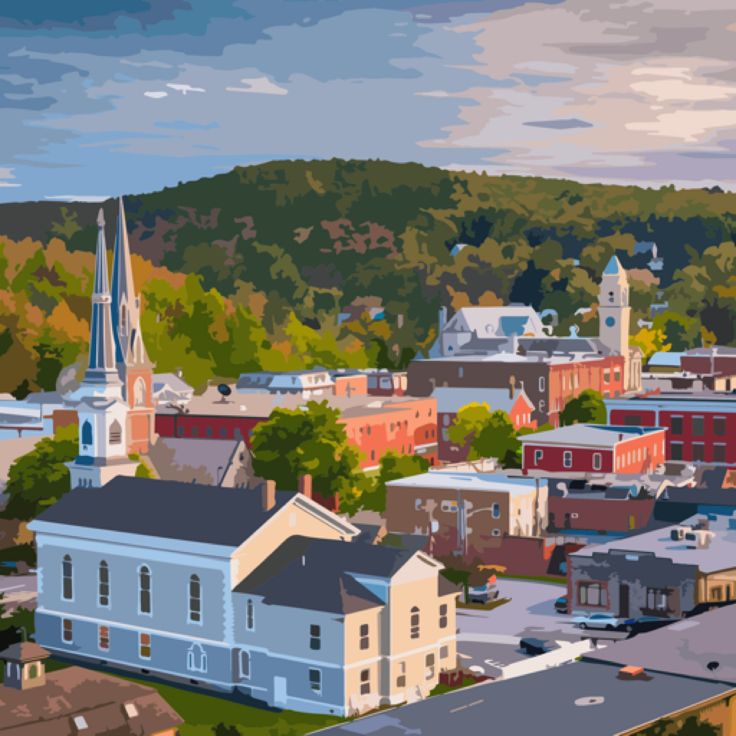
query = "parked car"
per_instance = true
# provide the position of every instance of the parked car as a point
(647, 623)
(530, 645)
(606, 621)
(561, 604)
(482, 593)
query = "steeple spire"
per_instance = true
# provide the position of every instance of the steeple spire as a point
(125, 304)
(101, 367)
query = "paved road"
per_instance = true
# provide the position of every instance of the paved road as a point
(19, 590)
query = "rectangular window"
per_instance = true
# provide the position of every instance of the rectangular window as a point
(676, 425)
(244, 665)
(719, 453)
(429, 664)
(364, 637)
(657, 599)
(719, 426)
(401, 679)
(597, 461)
(315, 637)
(67, 631)
(365, 682)
(606, 376)
(676, 451)
(315, 680)
(538, 455)
(567, 459)
(698, 451)
(144, 646)
(250, 616)
(443, 616)
(633, 420)
(444, 652)
(591, 594)
(542, 384)
(496, 510)
(103, 638)
(698, 426)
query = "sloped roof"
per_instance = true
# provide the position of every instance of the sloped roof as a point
(450, 400)
(168, 509)
(100, 699)
(497, 321)
(613, 267)
(315, 574)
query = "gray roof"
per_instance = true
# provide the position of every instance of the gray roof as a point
(316, 574)
(450, 400)
(469, 482)
(588, 435)
(543, 703)
(720, 554)
(191, 460)
(168, 509)
(686, 648)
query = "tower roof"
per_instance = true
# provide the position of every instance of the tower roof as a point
(24, 651)
(614, 267)
(101, 368)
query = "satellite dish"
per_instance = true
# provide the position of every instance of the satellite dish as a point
(224, 390)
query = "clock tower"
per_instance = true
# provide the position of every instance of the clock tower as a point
(614, 312)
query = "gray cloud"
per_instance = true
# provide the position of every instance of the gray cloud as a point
(561, 124)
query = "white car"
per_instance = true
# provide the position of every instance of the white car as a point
(606, 621)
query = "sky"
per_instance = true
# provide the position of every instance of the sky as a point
(107, 97)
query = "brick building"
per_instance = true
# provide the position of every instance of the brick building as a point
(594, 448)
(404, 425)
(450, 401)
(700, 427)
(548, 380)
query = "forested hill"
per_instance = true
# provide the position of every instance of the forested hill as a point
(367, 249)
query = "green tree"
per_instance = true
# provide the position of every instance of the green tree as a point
(393, 465)
(222, 729)
(586, 408)
(486, 433)
(309, 440)
(39, 478)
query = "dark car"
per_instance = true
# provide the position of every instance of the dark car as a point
(530, 645)
(647, 623)
(561, 604)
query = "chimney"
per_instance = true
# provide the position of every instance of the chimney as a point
(305, 485)
(512, 386)
(631, 672)
(514, 344)
(268, 495)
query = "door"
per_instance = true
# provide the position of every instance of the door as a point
(279, 692)
(623, 600)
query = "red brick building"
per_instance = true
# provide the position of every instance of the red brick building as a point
(591, 448)
(615, 510)
(375, 426)
(450, 400)
(549, 381)
(700, 427)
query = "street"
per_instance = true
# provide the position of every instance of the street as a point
(19, 590)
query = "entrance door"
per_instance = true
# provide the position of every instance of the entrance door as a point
(279, 692)
(623, 600)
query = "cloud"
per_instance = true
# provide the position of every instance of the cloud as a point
(78, 197)
(561, 124)
(184, 88)
(185, 125)
(155, 94)
(5, 174)
(259, 86)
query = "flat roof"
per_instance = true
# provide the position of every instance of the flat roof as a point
(579, 698)
(451, 399)
(720, 554)
(704, 399)
(693, 647)
(589, 435)
(468, 482)
(536, 358)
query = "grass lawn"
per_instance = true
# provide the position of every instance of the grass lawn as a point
(484, 606)
(202, 711)
(442, 689)
(556, 579)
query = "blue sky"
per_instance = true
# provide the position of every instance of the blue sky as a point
(103, 97)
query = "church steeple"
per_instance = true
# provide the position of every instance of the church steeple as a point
(101, 368)
(125, 313)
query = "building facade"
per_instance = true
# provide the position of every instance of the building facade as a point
(221, 594)
(582, 449)
(701, 428)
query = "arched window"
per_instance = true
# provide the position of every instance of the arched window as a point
(87, 433)
(123, 319)
(33, 672)
(103, 584)
(139, 392)
(144, 590)
(414, 623)
(195, 599)
(116, 433)
(67, 579)
(197, 658)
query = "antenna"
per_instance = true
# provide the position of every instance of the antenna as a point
(224, 390)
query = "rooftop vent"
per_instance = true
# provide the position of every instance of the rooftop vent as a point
(631, 672)
(590, 700)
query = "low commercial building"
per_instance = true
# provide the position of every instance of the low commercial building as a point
(511, 400)
(75, 700)
(260, 593)
(470, 514)
(668, 572)
(594, 449)
(701, 427)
